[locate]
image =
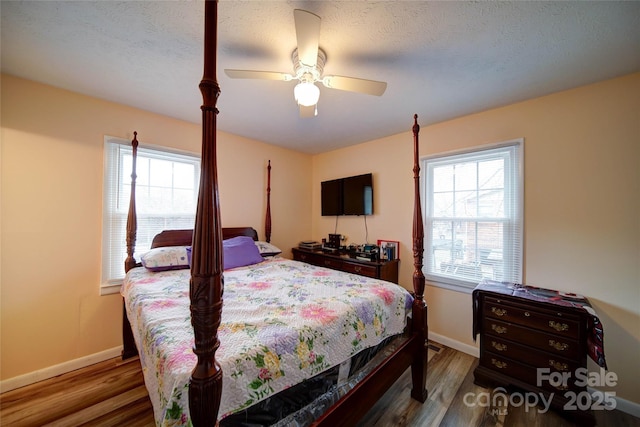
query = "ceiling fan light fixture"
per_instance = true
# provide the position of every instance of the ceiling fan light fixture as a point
(306, 94)
(308, 67)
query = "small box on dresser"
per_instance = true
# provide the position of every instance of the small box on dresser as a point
(527, 336)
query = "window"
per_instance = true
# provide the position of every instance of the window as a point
(166, 198)
(473, 208)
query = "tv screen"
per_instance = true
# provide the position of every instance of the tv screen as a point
(348, 196)
(332, 197)
(357, 195)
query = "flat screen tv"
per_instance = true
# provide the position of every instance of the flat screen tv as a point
(348, 196)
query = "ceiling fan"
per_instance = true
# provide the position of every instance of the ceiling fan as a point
(308, 64)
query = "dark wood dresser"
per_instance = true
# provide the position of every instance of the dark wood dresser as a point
(385, 270)
(533, 342)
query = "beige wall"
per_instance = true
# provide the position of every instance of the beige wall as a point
(582, 209)
(51, 195)
(582, 205)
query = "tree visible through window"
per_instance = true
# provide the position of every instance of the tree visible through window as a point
(473, 216)
(166, 198)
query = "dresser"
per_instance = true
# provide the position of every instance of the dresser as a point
(534, 340)
(385, 270)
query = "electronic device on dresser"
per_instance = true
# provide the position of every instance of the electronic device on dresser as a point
(333, 243)
(531, 336)
(311, 245)
(366, 252)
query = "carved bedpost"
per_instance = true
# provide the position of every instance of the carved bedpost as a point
(132, 221)
(129, 348)
(267, 221)
(419, 309)
(207, 282)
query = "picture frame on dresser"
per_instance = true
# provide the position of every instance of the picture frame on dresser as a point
(389, 250)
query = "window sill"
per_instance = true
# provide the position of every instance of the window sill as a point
(110, 288)
(455, 286)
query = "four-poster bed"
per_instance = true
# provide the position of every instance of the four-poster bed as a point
(208, 242)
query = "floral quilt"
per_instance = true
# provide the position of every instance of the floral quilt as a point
(283, 321)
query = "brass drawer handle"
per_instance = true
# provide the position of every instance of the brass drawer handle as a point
(499, 346)
(499, 364)
(561, 346)
(558, 366)
(558, 326)
(527, 314)
(499, 329)
(358, 269)
(498, 311)
(327, 262)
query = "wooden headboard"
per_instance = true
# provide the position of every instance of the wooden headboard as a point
(185, 237)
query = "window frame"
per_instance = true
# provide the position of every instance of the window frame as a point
(115, 207)
(515, 223)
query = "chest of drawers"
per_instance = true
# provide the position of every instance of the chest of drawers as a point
(385, 270)
(534, 347)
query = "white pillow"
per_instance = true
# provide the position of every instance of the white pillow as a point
(267, 249)
(166, 258)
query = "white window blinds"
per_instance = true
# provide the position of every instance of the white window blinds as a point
(473, 204)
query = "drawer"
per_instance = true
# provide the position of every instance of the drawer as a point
(318, 259)
(555, 344)
(523, 372)
(547, 321)
(335, 264)
(363, 270)
(528, 355)
(305, 257)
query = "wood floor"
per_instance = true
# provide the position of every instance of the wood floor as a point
(112, 393)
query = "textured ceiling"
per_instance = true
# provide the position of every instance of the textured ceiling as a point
(441, 59)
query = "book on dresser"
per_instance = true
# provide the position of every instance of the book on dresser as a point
(536, 341)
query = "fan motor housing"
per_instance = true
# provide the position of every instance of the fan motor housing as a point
(301, 69)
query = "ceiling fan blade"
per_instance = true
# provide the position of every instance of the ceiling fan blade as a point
(370, 87)
(264, 75)
(308, 112)
(307, 35)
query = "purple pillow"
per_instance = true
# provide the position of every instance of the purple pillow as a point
(238, 252)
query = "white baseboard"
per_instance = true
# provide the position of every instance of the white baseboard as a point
(622, 405)
(456, 345)
(62, 368)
